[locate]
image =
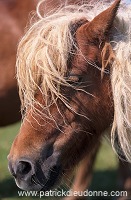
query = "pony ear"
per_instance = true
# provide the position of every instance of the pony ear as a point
(100, 26)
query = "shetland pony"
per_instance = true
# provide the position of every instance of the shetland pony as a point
(13, 17)
(73, 71)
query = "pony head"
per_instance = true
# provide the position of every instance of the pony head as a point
(64, 63)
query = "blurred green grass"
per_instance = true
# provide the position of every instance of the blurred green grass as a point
(105, 169)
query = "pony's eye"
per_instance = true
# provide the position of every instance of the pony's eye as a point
(74, 79)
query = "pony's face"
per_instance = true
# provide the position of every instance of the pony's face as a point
(48, 146)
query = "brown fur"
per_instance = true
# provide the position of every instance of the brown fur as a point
(13, 19)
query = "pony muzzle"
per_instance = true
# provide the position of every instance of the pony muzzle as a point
(31, 175)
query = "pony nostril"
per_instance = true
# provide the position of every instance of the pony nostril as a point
(23, 167)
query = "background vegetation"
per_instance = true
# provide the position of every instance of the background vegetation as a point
(105, 169)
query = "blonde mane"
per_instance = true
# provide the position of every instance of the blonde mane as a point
(42, 62)
(121, 82)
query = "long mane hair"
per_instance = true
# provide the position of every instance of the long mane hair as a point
(44, 51)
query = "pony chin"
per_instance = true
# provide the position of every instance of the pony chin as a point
(28, 187)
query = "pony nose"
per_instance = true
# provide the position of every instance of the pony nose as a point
(22, 170)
